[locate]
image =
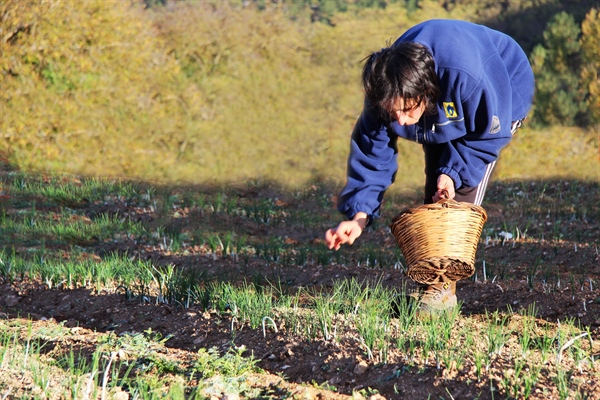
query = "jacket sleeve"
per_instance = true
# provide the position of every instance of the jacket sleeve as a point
(465, 159)
(485, 131)
(372, 165)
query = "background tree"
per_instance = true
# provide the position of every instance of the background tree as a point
(557, 64)
(590, 52)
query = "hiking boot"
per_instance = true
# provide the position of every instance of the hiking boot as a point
(433, 299)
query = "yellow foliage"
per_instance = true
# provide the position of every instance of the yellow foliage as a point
(197, 91)
(73, 94)
(590, 46)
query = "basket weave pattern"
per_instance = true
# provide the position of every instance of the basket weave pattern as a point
(439, 240)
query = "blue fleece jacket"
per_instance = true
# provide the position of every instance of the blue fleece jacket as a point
(486, 83)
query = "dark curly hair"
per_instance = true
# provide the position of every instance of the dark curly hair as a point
(405, 70)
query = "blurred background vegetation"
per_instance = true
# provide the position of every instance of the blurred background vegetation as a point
(214, 92)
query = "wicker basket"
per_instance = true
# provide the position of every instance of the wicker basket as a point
(439, 240)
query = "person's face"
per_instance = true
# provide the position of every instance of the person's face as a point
(407, 112)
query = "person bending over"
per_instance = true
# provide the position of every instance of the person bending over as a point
(458, 89)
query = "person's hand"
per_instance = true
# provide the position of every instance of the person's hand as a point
(346, 231)
(445, 188)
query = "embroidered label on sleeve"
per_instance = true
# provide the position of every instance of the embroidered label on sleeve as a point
(449, 109)
(495, 128)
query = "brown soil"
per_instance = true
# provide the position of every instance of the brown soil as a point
(296, 364)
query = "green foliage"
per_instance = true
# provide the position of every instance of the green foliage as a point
(231, 364)
(155, 3)
(317, 10)
(566, 66)
(556, 65)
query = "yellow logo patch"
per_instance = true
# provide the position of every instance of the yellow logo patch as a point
(450, 110)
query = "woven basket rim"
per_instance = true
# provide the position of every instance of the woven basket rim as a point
(449, 204)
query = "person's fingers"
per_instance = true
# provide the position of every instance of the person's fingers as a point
(346, 232)
(445, 187)
(335, 238)
(443, 194)
(354, 234)
(331, 239)
(342, 237)
(329, 235)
